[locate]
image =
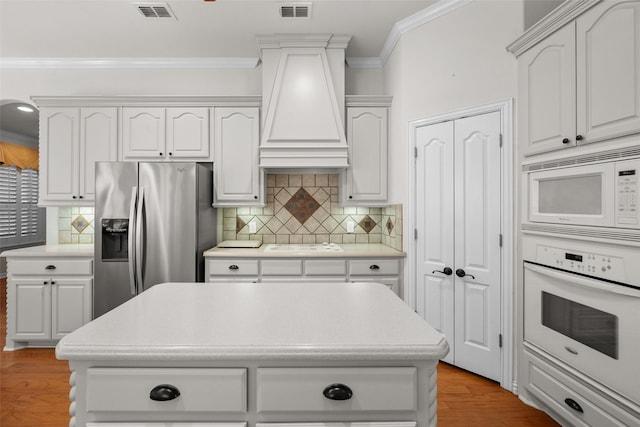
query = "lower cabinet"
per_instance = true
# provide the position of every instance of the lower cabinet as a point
(47, 299)
(386, 271)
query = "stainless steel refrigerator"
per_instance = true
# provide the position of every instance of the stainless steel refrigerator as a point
(153, 222)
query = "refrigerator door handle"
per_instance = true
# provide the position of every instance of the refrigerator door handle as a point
(130, 239)
(139, 241)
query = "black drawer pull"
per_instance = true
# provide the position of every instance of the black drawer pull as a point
(164, 392)
(233, 267)
(50, 267)
(374, 267)
(573, 405)
(337, 392)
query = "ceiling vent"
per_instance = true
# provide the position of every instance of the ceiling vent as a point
(155, 10)
(295, 10)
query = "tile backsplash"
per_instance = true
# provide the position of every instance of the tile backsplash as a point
(75, 225)
(304, 209)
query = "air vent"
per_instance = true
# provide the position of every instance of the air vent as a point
(155, 10)
(603, 156)
(297, 10)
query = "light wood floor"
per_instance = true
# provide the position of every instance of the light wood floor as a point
(34, 389)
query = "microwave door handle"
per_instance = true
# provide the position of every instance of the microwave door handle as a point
(573, 279)
(130, 239)
(139, 241)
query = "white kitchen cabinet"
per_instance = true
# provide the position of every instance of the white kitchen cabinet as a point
(158, 133)
(72, 139)
(386, 271)
(365, 181)
(47, 298)
(237, 176)
(580, 84)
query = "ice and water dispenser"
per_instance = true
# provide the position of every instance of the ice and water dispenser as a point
(115, 239)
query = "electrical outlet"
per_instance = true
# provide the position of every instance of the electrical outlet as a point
(351, 227)
(252, 227)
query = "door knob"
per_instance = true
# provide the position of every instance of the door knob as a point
(461, 273)
(446, 271)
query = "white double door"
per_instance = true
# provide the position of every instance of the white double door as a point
(458, 217)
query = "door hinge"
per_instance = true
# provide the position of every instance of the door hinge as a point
(415, 234)
(500, 340)
(415, 152)
(500, 140)
(500, 240)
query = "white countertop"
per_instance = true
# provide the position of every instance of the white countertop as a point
(84, 250)
(230, 321)
(348, 251)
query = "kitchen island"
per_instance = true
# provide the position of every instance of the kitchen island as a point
(256, 355)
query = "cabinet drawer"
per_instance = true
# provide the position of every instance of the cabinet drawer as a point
(302, 389)
(201, 389)
(328, 267)
(51, 267)
(233, 267)
(284, 267)
(374, 266)
(560, 393)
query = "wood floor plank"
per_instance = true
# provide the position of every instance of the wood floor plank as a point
(34, 392)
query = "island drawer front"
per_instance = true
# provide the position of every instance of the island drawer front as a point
(325, 267)
(233, 267)
(51, 267)
(374, 266)
(282, 267)
(301, 389)
(201, 390)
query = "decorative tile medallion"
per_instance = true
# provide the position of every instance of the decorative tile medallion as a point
(301, 205)
(239, 224)
(367, 224)
(80, 223)
(389, 225)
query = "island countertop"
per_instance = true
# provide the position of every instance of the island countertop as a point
(323, 321)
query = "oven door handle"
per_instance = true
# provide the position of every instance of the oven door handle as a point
(585, 282)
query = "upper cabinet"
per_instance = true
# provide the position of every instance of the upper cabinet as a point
(364, 182)
(72, 139)
(157, 134)
(581, 84)
(237, 176)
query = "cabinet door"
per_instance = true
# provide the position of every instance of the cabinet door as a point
(366, 177)
(143, 133)
(548, 97)
(71, 301)
(236, 171)
(59, 135)
(98, 142)
(31, 318)
(608, 71)
(188, 133)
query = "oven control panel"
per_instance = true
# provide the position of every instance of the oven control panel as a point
(595, 264)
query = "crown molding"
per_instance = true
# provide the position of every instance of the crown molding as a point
(559, 17)
(431, 13)
(128, 63)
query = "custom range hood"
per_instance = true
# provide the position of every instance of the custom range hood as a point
(303, 101)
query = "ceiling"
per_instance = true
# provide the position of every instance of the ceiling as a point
(224, 29)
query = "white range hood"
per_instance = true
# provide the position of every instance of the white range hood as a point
(303, 101)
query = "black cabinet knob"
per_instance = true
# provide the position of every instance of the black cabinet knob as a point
(50, 267)
(578, 137)
(565, 141)
(160, 154)
(164, 392)
(337, 392)
(573, 404)
(233, 267)
(374, 267)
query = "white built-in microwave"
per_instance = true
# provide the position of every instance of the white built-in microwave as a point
(601, 194)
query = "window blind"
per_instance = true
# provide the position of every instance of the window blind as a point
(21, 221)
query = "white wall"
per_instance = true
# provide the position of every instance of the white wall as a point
(456, 61)
(22, 84)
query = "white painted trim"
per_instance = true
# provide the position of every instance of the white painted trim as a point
(27, 63)
(505, 108)
(439, 9)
